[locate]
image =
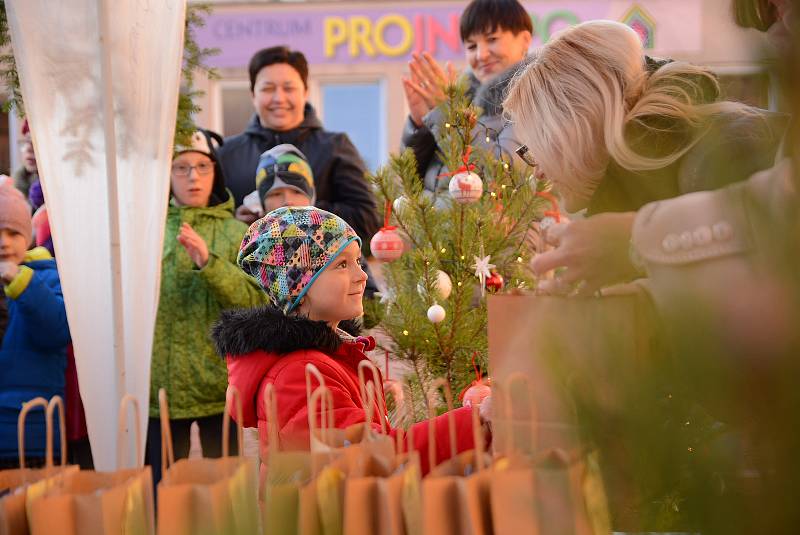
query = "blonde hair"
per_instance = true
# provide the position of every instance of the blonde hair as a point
(571, 105)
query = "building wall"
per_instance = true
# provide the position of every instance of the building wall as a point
(358, 52)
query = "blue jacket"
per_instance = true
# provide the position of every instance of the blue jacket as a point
(33, 351)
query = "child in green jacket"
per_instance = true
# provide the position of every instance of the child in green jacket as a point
(199, 279)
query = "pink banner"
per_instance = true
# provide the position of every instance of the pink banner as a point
(331, 34)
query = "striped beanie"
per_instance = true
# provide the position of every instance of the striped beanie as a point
(287, 249)
(284, 166)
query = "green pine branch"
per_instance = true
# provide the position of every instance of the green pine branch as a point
(448, 236)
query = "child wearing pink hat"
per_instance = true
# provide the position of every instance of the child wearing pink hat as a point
(34, 344)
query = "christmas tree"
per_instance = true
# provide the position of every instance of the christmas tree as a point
(461, 243)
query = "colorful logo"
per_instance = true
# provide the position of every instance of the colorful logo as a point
(643, 24)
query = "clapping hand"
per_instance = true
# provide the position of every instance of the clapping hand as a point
(195, 246)
(425, 87)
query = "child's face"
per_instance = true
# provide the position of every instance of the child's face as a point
(12, 246)
(336, 295)
(28, 156)
(280, 197)
(192, 178)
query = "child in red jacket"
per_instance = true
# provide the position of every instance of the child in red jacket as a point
(307, 261)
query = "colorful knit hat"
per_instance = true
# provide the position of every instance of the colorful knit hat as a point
(15, 213)
(287, 249)
(284, 166)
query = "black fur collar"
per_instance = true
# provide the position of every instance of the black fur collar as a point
(241, 331)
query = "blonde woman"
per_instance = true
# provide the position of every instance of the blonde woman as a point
(614, 130)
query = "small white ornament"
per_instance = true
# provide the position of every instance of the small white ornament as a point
(436, 314)
(442, 286)
(400, 204)
(388, 296)
(466, 187)
(547, 222)
(483, 267)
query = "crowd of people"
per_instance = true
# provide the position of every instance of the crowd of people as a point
(636, 143)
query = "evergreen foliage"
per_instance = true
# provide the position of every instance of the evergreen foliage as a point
(445, 235)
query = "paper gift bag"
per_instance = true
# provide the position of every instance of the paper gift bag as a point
(14, 483)
(445, 507)
(321, 499)
(370, 463)
(550, 492)
(96, 503)
(532, 334)
(478, 481)
(286, 472)
(207, 496)
(404, 486)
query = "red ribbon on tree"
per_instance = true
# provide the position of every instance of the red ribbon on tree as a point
(477, 390)
(387, 214)
(467, 167)
(555, 213)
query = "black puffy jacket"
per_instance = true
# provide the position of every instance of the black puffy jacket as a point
(338, 168)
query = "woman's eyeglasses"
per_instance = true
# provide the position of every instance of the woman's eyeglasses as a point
(203, 168)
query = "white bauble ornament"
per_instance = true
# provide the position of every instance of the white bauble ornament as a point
(400, 204)
(436, 314)
(386, 245)
(547, 222)
(466, 188)
(442, 286)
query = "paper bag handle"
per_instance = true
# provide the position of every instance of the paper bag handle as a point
(56, 401)
(310, 370)
(511, 380)
(451, 422)
(232, 394)
(322, 396)
(271, 410)
(122, 445)
(397, 388)
(366, 363)
(167, 452)
(23, 414)
(479, 438)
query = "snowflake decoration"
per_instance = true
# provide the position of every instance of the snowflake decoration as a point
(388, 296)
(483, 269)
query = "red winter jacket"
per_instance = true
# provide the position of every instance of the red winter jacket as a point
(263, 346)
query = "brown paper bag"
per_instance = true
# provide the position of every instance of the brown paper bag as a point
(478, 482)
(370, 464)
(290, 488)
(207, 496)
(404, 485)
(357, 475)
(321, 499)
(529, 333)
(286, 472)
(96, 503)
(445, 508)
(550, 492)
(14, 483)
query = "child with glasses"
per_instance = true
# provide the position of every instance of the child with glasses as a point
(199, 279)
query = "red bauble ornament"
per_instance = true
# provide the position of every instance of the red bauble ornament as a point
(386, 245)
(475, 394)
(495, 282)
